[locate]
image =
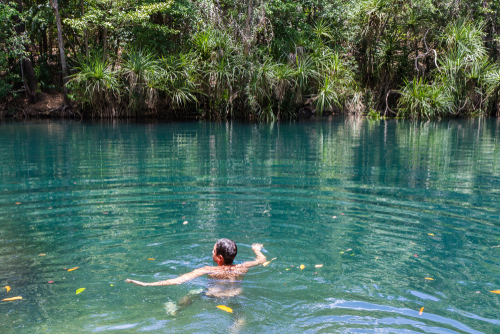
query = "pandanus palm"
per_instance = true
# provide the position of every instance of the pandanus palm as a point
(140, 69)
(98, 86)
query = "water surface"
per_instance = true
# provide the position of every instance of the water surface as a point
(381, 205)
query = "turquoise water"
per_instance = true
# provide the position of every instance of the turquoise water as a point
(381, 205)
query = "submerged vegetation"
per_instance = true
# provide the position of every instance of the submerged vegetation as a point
(255, 59)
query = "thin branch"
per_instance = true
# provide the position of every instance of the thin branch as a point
(387, 102)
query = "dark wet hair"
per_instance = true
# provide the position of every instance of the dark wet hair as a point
(227, 248)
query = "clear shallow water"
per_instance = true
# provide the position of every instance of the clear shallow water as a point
(106, 197)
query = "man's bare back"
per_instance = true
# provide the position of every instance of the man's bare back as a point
(230, 273)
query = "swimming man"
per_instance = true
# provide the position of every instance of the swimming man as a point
(223, 254)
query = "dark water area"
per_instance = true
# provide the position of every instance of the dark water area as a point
(381, 205)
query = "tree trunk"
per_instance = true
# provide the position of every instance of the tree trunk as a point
(30, 83)
(27, 70)
(85, 34)
(44, 41)
(105, 43)
(248, 28)
(61, 50)
(51, 37)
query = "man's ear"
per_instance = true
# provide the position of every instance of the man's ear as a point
(220, 259)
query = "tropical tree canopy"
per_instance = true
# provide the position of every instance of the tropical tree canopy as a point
(257, 59)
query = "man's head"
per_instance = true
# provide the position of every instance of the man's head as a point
(224, 252)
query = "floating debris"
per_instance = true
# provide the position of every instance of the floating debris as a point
(267, 262)
(225, 308)
(12, 299)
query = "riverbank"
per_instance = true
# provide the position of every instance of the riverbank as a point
(52, 105)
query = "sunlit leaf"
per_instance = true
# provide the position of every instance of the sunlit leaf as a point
(341, 252)
(151, 259)
(430, 279)
(80, 290)
(318, 266)
(8, 288)
(287, 269)
(496, 291)
(42, 254)
(71, 269)
(302, 266)
(421, 310)
(12, 299)
(225, 308)
(267, 262)
(431, 234)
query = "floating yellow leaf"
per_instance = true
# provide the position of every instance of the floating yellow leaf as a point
(75, 268)
(111, 285)
(42, 254)
(496, 291)
(225, 308)
(287, 269)
(267, 262)
(302, 266)
(421, 310)
(12, 299)
(429, 279)
(431, 234)
(80, 290)
(151, 259)
(8, 288)
(341, 252)
(318, 266)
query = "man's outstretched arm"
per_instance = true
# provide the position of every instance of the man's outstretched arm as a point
(178, 280)
(258, 260)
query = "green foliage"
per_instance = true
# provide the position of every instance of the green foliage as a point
(97, 86)
(265, 59)
(11, 46)
(419, 99)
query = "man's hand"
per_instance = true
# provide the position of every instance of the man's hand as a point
(257, 247)
(135, 282)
